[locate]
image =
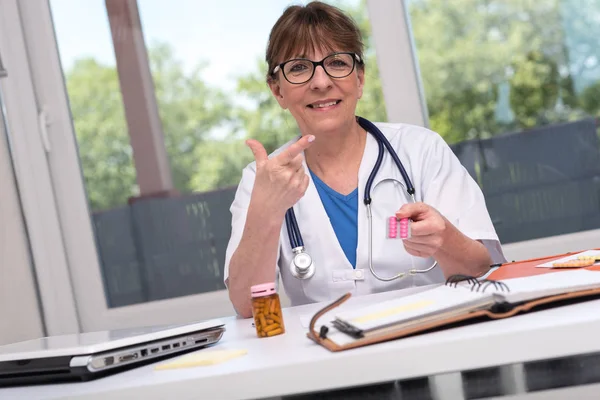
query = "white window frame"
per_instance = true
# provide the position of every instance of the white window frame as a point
(33, 178)
(25, 321)
(397, 62)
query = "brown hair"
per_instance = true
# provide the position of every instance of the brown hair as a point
(316, 26)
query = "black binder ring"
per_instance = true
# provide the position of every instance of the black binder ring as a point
(478, 285)
(500, 286)
(456, 279)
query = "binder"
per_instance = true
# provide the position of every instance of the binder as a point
(474, 300)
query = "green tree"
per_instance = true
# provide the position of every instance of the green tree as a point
(590, 99)
(468, 49)
(189, 111)
(101, 130)
(534, 87)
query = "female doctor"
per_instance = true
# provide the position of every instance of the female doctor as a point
(316, 71)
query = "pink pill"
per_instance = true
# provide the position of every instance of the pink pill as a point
(392, 227)
(404, 228)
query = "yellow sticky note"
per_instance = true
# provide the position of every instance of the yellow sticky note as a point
(202, 358)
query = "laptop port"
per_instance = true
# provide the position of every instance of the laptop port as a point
(128, 357)
(184, 343)
(201, 341)
(175, 345)
(154, 350)
(109, 361)
(166, 347)
(144, 352)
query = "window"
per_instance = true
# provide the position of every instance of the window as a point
(514, 87)
(161, 111)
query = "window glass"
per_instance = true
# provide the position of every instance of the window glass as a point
(514, 87)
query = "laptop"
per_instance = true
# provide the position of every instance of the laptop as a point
(85, 356)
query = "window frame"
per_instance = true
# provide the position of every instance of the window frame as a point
(33, 177)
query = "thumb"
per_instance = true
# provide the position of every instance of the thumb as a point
(414, 211)
(260, 154)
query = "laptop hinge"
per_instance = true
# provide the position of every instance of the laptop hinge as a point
(80, 361)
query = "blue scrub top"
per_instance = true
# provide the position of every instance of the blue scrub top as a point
(342, 211)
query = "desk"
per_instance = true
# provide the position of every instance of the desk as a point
(291, 363)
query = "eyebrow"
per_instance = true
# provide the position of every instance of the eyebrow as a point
(304, 56)
(293, 57)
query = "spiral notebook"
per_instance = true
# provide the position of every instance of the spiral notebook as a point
(462, 298)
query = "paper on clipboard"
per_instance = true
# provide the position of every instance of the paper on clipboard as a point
(571, 257)
(356, 302)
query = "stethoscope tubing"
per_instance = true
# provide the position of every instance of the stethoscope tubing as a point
(296, 241)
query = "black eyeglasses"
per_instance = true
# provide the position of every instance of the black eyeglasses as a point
(301, 70)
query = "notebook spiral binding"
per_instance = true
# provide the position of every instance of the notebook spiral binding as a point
(477, 285)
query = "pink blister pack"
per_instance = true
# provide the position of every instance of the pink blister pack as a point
(398, 228)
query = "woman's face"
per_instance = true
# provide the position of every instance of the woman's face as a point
(323, 104)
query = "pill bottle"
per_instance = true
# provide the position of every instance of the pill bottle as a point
(266, 310)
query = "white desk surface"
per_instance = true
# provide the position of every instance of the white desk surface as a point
(291, 363)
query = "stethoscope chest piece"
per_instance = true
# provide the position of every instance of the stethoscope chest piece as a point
(302, 266)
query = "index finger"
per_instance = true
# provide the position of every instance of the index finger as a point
(413, 211)
(286, 156)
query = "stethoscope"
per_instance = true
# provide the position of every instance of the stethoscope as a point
(302, 265)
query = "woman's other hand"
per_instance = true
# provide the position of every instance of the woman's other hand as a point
(280, 181)
(428, 229)
(432, 235)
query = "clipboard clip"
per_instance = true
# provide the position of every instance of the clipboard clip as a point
(322, 335)
(348, 329)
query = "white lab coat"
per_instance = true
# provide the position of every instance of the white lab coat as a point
(439, 180)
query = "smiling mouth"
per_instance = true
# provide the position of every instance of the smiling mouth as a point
(323, 105)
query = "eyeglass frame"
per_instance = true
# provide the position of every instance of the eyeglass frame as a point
(355, 59)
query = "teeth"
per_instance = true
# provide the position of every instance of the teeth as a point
(332, 103)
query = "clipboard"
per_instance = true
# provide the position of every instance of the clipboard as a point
(496, 311)
(517, 269)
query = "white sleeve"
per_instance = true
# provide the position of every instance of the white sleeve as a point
(239, 210)
(447, 186)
